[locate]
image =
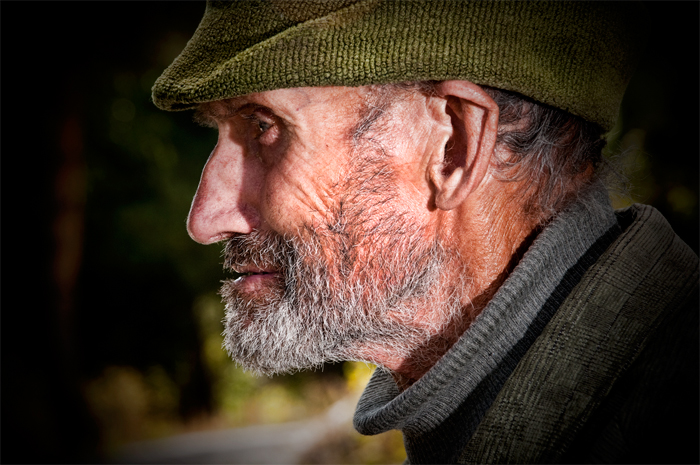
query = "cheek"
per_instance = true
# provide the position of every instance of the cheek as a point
(299, 193)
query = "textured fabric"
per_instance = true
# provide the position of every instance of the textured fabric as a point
(640, 297)
(612, 378)
(457, 391)
(575, 56)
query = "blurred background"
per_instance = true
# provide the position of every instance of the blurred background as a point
(110, 318)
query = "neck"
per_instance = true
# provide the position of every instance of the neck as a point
(491, 242)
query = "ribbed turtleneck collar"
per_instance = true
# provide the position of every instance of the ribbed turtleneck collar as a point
(439, 413)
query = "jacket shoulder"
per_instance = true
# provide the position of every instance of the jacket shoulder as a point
(650, 414)
(611, 332)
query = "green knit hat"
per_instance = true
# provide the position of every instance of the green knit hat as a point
(576, 56)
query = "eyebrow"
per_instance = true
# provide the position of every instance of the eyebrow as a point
(208, 113)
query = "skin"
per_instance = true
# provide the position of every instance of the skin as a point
(281, 154)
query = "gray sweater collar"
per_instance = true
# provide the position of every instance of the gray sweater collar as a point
(458, 390)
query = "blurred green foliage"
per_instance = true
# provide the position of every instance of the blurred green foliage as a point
(656, 136)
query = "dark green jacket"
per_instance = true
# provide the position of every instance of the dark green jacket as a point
(613, 378)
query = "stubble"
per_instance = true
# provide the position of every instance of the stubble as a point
(356, 287)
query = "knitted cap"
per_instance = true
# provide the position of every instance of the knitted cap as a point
(576, 56)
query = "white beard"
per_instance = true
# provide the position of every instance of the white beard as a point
(351, 289)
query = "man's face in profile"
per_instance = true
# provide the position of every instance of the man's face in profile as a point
(316, 192)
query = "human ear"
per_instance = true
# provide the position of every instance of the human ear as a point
(457, 168)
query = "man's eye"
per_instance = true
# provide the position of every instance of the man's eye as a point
(259, 124)
(263, 126)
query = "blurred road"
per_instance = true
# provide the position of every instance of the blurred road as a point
(277, 443)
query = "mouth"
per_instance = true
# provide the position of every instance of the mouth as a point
(249, 274)
(250, 280)
(244, 271)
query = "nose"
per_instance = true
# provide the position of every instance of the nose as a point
(220, 207)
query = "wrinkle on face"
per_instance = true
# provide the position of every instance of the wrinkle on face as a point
(300, 172)
(348, 193)
(353, 190)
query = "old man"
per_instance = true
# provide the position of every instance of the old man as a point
(419, 185)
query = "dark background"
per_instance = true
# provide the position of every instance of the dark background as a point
(97, 269)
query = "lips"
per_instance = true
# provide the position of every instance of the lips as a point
(254, 280)
(250, 274)
(248, 270)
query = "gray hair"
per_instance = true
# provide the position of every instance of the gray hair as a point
(560, 151)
